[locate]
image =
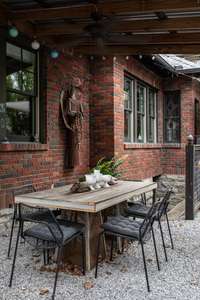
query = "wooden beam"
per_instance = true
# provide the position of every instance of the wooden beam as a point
(108, 8)
(137, 49)
(138, 39)
(190, 23)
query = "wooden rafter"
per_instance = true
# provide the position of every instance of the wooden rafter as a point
(189, 23)
(108, 8)
(143, 39)
(138, 49)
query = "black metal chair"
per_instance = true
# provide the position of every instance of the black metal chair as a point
(140, 211)
(16, 192)
(15, 218)
(47, 233)
(125, 228)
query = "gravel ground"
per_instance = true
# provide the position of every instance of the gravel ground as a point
(121, 279)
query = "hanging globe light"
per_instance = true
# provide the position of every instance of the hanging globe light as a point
(35, 45)
(13, 32)
(54, 54)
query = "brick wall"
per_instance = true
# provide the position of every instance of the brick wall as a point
(101, 109)
(103, 127)
(142, 161)
(44, 164)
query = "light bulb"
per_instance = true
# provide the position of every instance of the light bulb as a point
(35, 45)
(54, 54)
(13, 32)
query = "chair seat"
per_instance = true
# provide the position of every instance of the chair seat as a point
(138, 209)
(42, 232)
(122, 226)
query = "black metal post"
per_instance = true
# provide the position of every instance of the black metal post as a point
(189, 180)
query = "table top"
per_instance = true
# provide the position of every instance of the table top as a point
(91, 201)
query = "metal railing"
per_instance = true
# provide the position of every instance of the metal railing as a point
(192, 187)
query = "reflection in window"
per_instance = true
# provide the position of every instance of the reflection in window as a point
(172, 117)
(21, 92)
(139, 112)
(127, 109)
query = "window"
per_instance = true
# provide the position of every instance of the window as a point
(139, 112)
(172, 117)
(20, 103)
(127, 109)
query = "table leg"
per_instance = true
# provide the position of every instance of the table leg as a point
(104, 239)
(119, 240)
(87, 242)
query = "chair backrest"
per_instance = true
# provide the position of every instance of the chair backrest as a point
(148, 220)
(163, 204)
(43, 216)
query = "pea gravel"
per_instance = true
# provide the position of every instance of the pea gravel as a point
(123, 279)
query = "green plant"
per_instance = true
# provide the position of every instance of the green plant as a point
(109, 167)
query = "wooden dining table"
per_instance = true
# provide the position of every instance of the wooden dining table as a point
(89, 207)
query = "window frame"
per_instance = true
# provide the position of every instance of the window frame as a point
(178, 92)
(34, 96)
(134, 113)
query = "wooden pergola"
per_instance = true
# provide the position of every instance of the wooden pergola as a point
(126, 26)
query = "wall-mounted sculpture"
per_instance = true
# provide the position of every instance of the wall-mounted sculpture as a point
(72, 114)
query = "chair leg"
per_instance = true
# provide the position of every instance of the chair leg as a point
(58, 261)
(11, 235)
(22, 241)
(145, 266)
(163, 241)
(111, 248)
(15, 255)
(123, 240)
(155, 248)
(83, 253)
(170, 234)
(97, 257)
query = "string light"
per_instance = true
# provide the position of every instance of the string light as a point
(103, 58)
(13, 32)
(35, 45)
(153, 57)
(114, 58)
(140, 56)
(127, 57)
(54, 54)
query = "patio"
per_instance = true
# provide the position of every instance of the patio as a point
(89, 81)
(121, 279)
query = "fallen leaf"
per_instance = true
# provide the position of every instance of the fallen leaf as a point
(44, 291)
(88, 285)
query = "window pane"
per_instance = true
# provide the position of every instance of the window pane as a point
(140, 112)
(20, 69)
(140, 98)
(172, 117)
(13, 67)
(127, 93)
(140, 128)
(151, 103)
(18, 115)
(28, 82)
(151, 116)
(127, 126)
(172, 130)
(151, 130)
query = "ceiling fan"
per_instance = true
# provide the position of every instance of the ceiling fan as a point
(97, 31)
